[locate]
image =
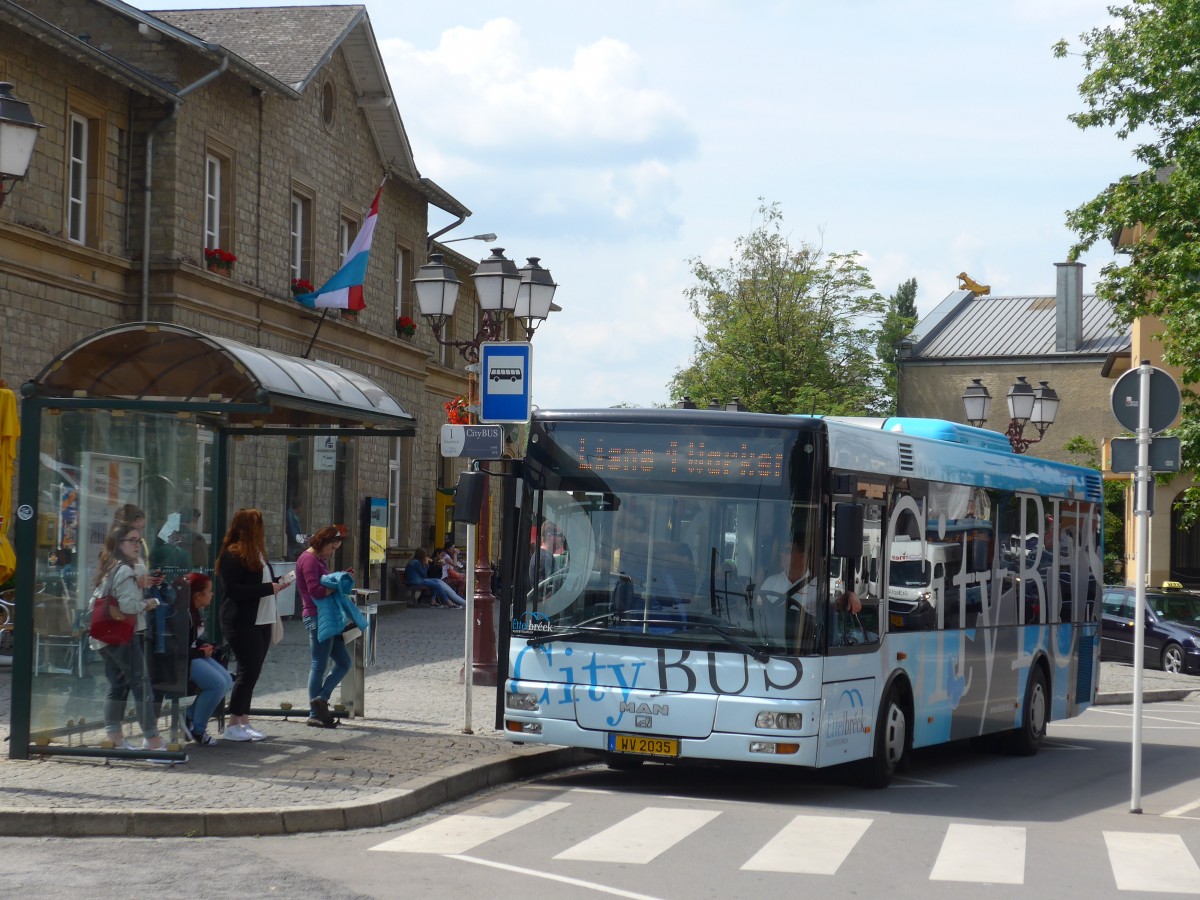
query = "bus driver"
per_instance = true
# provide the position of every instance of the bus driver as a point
(793, 584)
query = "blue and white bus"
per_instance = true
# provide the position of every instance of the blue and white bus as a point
(682, 594)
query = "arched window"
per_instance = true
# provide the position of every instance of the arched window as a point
(1185, 550)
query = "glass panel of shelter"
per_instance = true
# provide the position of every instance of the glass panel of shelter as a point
(100, 466)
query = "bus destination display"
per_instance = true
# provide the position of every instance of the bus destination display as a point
(706, 457)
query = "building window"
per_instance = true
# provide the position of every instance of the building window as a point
(397, 497)
(328, 103)
(79, 171)
(347, 232)
(218, 200)
(404, 290)
(301, 236)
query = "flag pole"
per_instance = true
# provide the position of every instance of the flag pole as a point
(320, 322)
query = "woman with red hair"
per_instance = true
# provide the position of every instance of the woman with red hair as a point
(248, 613)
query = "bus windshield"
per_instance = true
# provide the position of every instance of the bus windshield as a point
(684, 543)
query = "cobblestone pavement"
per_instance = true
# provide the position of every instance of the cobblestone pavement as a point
(408, 753)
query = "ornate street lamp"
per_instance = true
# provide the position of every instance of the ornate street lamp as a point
(18, 133)
(502, 291)
(1027, 405)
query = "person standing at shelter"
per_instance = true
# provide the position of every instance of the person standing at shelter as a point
(310, 567)
(125, 664)
(248, 613)
(295, 529)
(212, 679)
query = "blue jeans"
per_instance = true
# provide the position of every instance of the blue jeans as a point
(442, 591)
(125, 669)
(322, 652)
(213, 681)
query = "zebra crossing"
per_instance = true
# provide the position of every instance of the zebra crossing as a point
(808, 844)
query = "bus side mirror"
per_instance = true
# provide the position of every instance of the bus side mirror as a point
(847, 531)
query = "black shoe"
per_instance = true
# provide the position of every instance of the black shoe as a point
(320, 712)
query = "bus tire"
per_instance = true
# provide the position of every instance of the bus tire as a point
(1027, 740)
(891, 743)
(619, 762)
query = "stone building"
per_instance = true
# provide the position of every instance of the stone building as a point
(1068, 340)
(261, 133)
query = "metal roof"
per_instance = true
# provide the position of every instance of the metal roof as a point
(171, 364)
(965, 326)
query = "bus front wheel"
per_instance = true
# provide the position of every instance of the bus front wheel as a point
(890, 745)
(1027, 739)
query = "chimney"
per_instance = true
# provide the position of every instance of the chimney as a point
(1068, 307)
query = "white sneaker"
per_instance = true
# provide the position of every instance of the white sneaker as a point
(255, 734)
(237, 733)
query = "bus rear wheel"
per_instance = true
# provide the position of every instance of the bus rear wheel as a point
(890, 745)
(1027, 740)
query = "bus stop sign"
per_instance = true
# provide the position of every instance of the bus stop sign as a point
(504, 375)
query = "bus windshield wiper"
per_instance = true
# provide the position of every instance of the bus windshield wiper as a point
(734, 641)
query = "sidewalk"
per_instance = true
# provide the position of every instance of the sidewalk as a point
(408, 755)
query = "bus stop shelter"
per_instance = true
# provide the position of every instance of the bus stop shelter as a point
(166, 418)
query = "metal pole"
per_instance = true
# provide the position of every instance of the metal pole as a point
(1142, 516)
(469, 639)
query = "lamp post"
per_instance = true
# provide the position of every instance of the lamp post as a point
(1027, 405)
(502, 290)
(18, 133)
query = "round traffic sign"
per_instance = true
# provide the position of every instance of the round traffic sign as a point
(1164, 399)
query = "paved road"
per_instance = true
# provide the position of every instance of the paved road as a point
(407, 755)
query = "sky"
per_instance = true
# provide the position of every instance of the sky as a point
(617, 141)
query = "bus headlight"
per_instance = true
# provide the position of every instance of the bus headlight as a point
(523, 702)
(788, 721)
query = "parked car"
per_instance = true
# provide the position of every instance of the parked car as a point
(1172, 628)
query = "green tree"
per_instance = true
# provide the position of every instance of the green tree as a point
(898, 322)
(1084, 452)
(786, 329)
(1143, 79)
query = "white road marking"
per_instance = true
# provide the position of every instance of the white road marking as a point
(1186, 808)
(641, 837)
(562, 879)
(463, 831)
(1152, 862)
(809, 845)
(991, 854)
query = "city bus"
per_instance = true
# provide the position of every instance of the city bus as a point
(687, 609)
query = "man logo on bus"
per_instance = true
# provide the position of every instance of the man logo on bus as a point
(532, 621)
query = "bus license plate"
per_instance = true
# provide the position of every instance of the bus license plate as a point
(642, 745)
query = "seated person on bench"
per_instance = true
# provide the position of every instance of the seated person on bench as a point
(212, 679)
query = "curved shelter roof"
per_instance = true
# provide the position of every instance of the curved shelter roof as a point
(247, 387)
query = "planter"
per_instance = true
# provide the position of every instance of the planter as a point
(219, 269)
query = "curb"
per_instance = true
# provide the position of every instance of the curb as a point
(383, 808)
(1159, 695)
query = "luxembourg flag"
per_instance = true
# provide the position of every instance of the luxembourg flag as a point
(345, 289)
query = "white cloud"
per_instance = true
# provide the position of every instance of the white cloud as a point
(491, 97)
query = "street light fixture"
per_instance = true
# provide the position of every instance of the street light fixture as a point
(1027, 405)
(502, 291)
(475, 237)
(18, 133)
